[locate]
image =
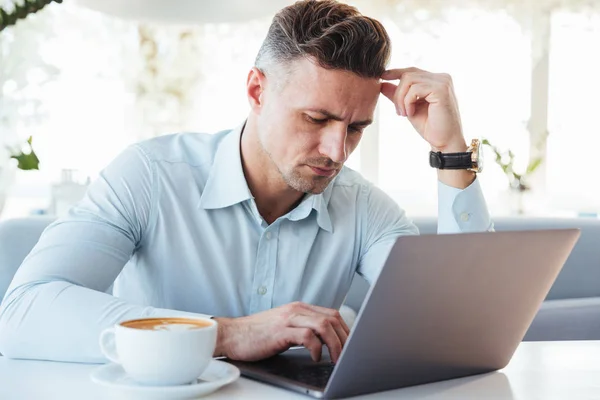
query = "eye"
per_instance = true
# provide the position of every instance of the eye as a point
(315, 120)
(355, 129)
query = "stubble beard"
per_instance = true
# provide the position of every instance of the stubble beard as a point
(305, 184)
(295, 179)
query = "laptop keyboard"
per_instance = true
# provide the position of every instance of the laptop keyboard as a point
(314, 375)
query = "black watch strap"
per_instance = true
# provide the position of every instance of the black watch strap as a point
(441, 160)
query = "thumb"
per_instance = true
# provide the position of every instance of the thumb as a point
(388, 90)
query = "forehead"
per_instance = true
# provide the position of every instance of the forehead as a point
(310, 85)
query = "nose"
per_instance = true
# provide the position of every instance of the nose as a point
(333, 144)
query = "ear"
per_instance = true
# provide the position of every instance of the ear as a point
(255, 87)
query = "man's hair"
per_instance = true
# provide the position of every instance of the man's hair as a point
(335, 35)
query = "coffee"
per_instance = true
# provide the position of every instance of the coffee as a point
(161, 350)
(167, 324)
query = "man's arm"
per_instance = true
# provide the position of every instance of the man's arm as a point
(429, 103)
(461, 205)
(385, 221)
(56, 307)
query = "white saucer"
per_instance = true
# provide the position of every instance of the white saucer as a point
(217, 374)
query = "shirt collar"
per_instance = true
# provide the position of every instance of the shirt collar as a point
(317, 202)
(227, 186)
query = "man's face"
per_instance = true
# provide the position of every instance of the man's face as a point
(312, 119)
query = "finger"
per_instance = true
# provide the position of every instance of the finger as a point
(336, 321)
(307, 338)
(331, 312)
(323, 327)
(388, 90)
(400, 95)
(316, 311)
(418, 92)
(397, 73)
(340, 329)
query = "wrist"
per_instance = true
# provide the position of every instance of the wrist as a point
(456, 171)
(457, 146)
(223, 326)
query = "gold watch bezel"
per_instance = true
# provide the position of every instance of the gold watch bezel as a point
(474, 149)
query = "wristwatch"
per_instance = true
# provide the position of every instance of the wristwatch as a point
(470, 160)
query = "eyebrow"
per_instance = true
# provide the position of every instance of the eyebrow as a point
(338, 118)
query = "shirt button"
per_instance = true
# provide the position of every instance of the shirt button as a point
(262, 290)
(268, 235)
(465, 217)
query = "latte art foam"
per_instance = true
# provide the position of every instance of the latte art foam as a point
(167, 324)
(176, 327)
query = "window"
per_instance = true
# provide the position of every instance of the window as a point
(488, 56)
(574, 138)
(95, 105)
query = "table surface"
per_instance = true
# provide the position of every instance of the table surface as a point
(538, 370)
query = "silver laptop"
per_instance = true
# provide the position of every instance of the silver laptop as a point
(443, 307)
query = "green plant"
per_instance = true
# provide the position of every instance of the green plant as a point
(27, 160)
(22, 10)
(506, 160)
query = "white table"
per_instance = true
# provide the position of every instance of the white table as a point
(539, 370)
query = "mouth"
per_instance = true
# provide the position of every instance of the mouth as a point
(323, 171)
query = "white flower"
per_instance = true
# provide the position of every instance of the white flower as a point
(23, 68)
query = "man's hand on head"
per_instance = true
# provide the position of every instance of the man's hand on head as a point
(271, 332)
(429, 102)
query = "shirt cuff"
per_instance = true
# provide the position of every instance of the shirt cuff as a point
(462, 210)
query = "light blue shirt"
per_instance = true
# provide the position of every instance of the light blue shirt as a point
(171, 222)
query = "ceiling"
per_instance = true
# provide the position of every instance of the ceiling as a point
(187, 11)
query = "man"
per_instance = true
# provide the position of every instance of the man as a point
(260, 227)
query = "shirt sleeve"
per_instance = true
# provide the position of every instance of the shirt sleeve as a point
(383, 221)
(459, 210)
(57, 305)
(462, 210)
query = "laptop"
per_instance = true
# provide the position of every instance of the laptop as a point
(443, 307)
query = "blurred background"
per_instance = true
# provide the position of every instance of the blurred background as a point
(82, 79)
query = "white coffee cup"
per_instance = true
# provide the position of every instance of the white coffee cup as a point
(161, 351)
